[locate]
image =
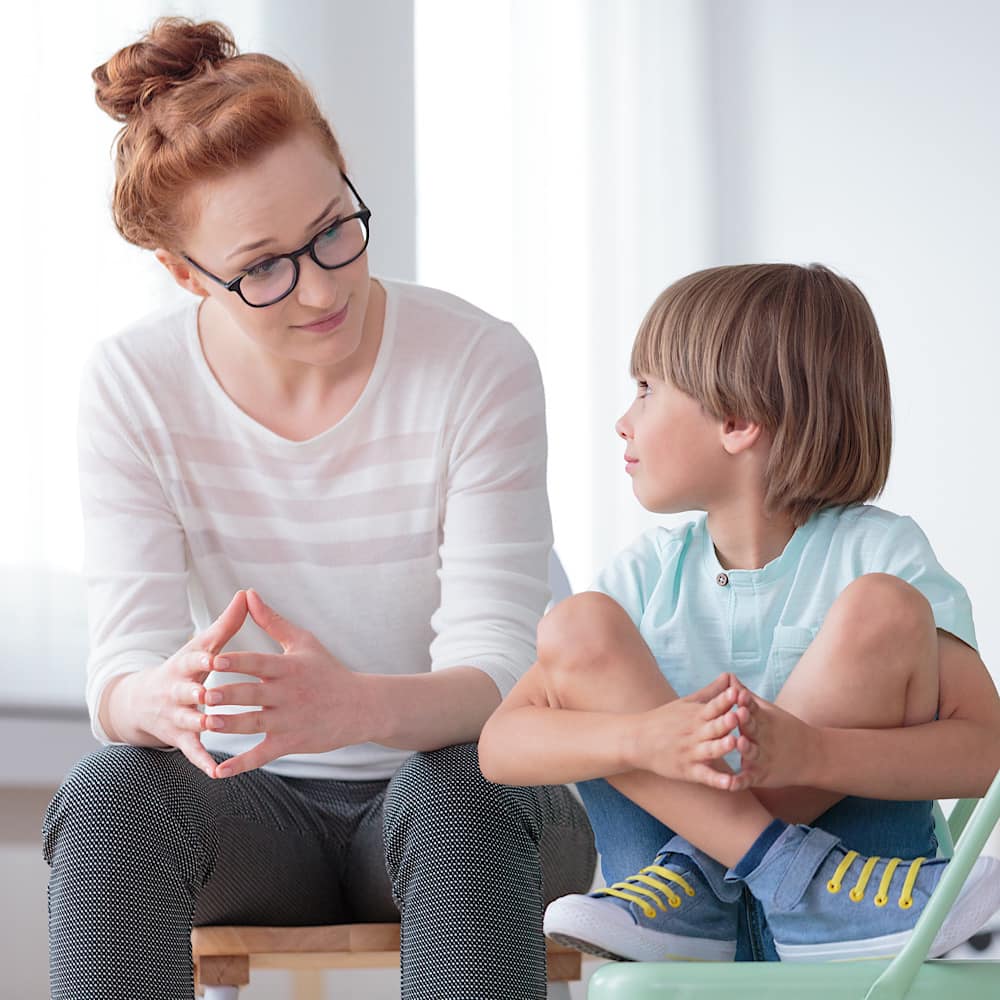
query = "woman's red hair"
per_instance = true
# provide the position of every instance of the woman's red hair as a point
(193, 109)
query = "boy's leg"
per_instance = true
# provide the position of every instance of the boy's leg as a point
(592, 658)
(873, 665)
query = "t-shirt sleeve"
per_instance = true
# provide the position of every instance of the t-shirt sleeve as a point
(135, 560)
(497, 530)
(905, 552)
(632, 575)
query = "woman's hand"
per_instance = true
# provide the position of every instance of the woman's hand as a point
(686, 738)
(159, 705)
(309, 701)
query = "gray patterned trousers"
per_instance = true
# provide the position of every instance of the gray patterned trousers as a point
(143, 846)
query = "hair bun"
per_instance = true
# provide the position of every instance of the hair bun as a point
(174, 50)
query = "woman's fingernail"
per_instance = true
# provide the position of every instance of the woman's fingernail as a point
(216, 722)
(213, 697)
(221, 663)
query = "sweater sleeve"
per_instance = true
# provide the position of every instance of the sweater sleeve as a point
(135, 561)
(497, 530)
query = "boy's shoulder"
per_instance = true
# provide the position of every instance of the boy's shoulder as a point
(861, 523)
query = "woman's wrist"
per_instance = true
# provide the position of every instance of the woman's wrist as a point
(118, 714)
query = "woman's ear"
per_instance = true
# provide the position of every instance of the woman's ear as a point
(182, 272)
(739, 435)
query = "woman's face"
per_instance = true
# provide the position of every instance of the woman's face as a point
(275, 206)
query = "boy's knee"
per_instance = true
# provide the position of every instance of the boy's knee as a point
(581, 629)
(880, 608)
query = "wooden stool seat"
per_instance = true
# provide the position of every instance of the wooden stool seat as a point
(224, 956)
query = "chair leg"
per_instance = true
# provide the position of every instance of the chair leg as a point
(558, 991)
(221, 992)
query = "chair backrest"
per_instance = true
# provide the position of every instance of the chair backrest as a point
(895, 981)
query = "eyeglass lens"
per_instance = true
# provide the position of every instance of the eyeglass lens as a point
(334, 247)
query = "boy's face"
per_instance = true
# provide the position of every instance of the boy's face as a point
(673, 449)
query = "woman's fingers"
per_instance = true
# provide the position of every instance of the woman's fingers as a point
(250, 693)
(191, 747)
(225, 626)
(263, 665)
(238, 722)
(263, 753)
(278, 628)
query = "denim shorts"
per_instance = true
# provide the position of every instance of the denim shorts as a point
(629, 838)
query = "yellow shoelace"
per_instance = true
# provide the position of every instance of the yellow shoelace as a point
(857, 894)
(657, 879)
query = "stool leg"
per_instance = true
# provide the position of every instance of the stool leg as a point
(558, 991)
(221, 992)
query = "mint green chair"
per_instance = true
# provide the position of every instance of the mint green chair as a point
(909, 974)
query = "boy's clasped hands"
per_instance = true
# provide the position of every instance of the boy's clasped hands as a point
(688, 738)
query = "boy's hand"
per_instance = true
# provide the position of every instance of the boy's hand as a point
(686, 738)
(777, 748)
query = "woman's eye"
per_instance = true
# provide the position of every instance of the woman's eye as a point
(331, 233)
(264, 268)
(641, 388)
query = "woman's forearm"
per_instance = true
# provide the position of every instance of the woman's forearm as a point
(427, 711)
(947, 759)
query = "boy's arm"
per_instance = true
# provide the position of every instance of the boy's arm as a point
(955, 756)
(527, 741)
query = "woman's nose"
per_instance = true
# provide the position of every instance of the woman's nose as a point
(622, 428)
(317, 287)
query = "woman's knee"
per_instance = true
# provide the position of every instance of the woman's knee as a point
(122, 791)
(436, 792)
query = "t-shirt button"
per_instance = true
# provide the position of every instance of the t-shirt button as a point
(722, 579)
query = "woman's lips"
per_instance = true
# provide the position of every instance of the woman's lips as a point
(327, 323)
(630, 463)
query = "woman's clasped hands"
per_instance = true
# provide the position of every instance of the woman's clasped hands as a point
(304, 701)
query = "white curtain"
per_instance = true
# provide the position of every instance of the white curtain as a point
(565, 176)
(70, 280)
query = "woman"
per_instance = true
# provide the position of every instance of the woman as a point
(337, 484)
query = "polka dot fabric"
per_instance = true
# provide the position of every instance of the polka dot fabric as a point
(143, 846)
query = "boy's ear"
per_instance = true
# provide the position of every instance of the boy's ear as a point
(739, 435)
(182, 272)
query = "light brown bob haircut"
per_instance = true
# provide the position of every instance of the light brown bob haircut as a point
(795, 349)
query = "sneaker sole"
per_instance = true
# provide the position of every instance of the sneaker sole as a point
(592, 926)
(976, 903)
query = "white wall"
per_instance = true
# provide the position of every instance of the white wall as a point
(864, 135)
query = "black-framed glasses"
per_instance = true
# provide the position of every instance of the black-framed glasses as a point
(272, 280)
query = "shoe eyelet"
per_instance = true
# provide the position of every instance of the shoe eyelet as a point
(856, 897)
(689, 892)
(675, 902)
(833, 887)
(881, 900)
(905, 904)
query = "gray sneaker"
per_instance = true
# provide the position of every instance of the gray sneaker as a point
(824, 903)
(679, 908)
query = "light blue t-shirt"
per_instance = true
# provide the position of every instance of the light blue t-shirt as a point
(700, 619)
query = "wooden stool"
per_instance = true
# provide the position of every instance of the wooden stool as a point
(224, 956)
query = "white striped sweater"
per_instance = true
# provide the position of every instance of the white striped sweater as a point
(412, 535)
